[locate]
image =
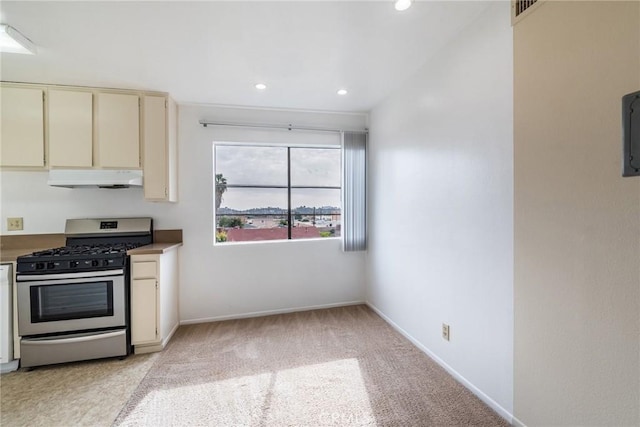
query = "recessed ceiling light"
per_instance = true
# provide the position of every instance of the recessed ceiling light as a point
(342, 92)
(402, 4)
(261, 86)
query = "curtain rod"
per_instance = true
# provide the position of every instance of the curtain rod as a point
(206, 123)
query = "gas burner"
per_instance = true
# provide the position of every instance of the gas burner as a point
(50, 252)
(91, 245)
(100, 249)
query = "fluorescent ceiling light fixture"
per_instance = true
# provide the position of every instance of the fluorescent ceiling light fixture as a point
(342, 92)
(12, 41)
(402, 4)
(261, 86)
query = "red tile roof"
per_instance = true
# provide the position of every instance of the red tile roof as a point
(280, 233)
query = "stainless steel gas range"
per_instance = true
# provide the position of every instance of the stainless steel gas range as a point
(73, 301)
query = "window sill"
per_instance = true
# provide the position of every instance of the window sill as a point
(285, 241)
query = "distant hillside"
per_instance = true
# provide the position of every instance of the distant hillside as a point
(302, 210)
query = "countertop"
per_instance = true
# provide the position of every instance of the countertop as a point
(11, 247)
(153, 249)
(10, 255)
(14, 246)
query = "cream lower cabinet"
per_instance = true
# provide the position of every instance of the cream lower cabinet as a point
(154, 300)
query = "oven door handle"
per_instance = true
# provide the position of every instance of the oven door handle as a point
(66, 276)
(84, 338)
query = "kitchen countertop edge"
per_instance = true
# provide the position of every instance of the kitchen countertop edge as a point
(154, 248)
(13, 246)
(8, 256)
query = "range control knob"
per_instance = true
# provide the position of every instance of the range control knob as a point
(95, 263)
(73, 264)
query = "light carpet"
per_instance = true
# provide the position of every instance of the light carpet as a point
(334, 367)
(90, 393)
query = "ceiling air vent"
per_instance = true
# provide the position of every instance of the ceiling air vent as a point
(519, 7)
(522, 5)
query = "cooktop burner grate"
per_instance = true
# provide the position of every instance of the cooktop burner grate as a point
(91, 245)
(90, 250)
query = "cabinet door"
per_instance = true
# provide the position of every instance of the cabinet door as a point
(118, 131)
(22, 127)
(155, 147)
(143, 311)
(6, 313)
(70, 128)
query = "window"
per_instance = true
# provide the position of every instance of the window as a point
(276, 193)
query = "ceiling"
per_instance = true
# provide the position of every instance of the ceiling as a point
(214, 52)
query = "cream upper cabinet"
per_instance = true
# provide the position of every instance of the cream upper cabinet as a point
(118, 131)
(159, 145)
(22, 127)
(154, 159)
(70, 124)
(48, 126)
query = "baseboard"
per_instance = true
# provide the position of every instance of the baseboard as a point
(269, 312)
(9, 366)
(475, 390)
(147, 348)
(151, 348)
(517, 423)
(170, 334)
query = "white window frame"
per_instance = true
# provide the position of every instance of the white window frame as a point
(289, 187)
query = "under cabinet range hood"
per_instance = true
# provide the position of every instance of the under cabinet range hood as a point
(101, 178)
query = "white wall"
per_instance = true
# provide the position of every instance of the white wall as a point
(577, 221)
(245, 278)
(441, 207)
(215, 282)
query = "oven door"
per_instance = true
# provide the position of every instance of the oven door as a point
(66, 302)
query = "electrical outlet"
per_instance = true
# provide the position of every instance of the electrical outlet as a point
(14, 224)
(445, 331)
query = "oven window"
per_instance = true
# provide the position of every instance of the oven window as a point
(71, 301)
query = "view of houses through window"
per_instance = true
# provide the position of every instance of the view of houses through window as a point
(276, 193)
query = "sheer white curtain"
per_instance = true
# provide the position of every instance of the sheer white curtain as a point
(354, 191)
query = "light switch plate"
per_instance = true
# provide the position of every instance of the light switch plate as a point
(14, 224)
